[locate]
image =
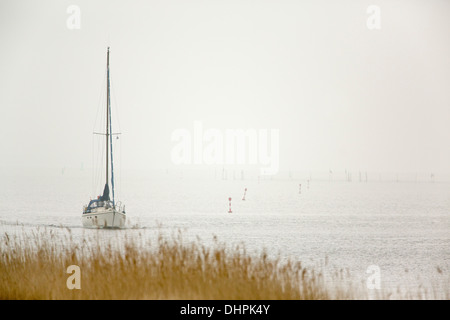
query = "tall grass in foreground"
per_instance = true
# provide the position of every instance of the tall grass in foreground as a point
(33, 266)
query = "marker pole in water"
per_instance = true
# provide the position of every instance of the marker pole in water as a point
(299, 188)
(229, 211)
(245, 191)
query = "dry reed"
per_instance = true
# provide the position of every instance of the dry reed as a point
(33, 266)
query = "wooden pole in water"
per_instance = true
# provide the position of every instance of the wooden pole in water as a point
(229, 211)
(245, 191)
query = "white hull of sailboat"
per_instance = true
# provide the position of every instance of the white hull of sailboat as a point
(104, 218)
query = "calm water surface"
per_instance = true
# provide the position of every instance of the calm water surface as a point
(402, 227)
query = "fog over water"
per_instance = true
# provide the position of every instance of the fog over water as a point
(341, 95)
(353, 121)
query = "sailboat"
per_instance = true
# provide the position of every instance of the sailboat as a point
(105, 212)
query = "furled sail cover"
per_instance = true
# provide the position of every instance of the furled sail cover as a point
(105, 196)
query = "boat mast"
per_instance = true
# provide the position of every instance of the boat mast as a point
(110, 137)
(107, 117)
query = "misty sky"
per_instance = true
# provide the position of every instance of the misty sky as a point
(342, 96)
